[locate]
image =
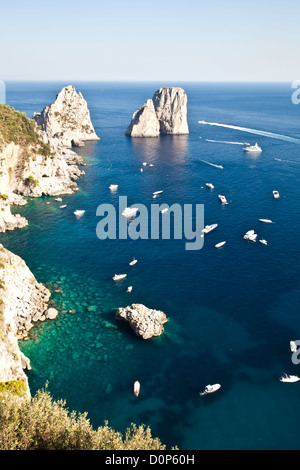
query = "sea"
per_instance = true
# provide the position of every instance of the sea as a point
(232, 311)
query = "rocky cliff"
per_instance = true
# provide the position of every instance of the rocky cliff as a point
(23, 302)
(165, 113)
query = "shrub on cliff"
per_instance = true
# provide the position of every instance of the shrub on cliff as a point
(44, 424)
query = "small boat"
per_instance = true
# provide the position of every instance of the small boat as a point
(253, 237)
(293, 346)
(210, 389)
(248, 234)
(145, 163)
(113, 187)
(209, 228)
(62, 207)
(267, 221)
(276, 194)
(130, 211)
(157, 192)
(141, 170)
(209, 185)
(118, 277)
(264, 242)
(289, 378)
(59, 199)
(79, 213)
(163, 211)
(151, 164)
(219, 245)
(223, 199)
(129, 289)
(253, 148)
(136, 388)
(133, 262)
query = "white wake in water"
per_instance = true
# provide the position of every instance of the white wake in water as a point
(212, 164)
(226, 142)
(254, 131)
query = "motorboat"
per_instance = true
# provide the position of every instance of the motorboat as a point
(136, 388)
(209, 228)
(210, 389)
(145, 164)
(156, 193)
(118, 277)
(141, 170)
(133, 262)
(219, 245)
(264, 242)
(223, 199)
(62, 207)
(163, 211)
(79, 213)
(276, 194)
(129, 289)
(253, 148)
(253, 237)
(113, 187)
(130, 211)
(151, 164)
(293, 346)
(248, 234)
(59, 199)
(266, 221)
(289, 378)
(209, 185)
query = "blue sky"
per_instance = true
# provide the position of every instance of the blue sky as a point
(187, 40)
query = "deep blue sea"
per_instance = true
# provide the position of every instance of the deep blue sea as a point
(232, 311)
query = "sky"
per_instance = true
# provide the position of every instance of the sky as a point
(138, 40)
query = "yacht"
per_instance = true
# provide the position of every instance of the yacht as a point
(210, 185)
(157, 192)
(293, 346)
(267, 221)
(248, 234)
(276, 194)
(289, 378)
(136, 388)
(219, 245)
(62, 207)
(79, 213)
(264, 242)
(210, 389)
(130, 211)
(118, 277)
(253, 148)
(129, 289)
(223, 199)
(113, 187)
(253, 237)
(209, 228)
(133, 262)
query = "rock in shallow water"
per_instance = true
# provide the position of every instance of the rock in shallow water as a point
(144, 321)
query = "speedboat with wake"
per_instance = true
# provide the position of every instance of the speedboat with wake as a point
(289, 378)
(210, 389)
(253, 148)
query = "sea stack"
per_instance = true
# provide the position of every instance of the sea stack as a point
(66, 122)
(165, 113)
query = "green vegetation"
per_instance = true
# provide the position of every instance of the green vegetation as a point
(16, 387)
(44, 424)
(3, 196)
(16, 127)
(31, 181)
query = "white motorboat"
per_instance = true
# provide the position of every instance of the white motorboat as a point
(276, 194)
(289, 378)
(79, 213)
(133, 262)
(209, 185)
(219, 245)
(151, 164)
(253, 148)
(113, 187)
(293, 346)
(248, 234)
(144, 163)
(264, 242)
(156, 193)
(130, 211)
(129, 289)
(59, 199)
(209, 228)
(141, 170)
(163, 211)
(136, 388)
(253, 237)
(266, 221)
(62, 207)
(118, 277)
(223, 199)
(210, 389)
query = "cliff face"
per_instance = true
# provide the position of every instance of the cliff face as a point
(165, 113)
(23, 301)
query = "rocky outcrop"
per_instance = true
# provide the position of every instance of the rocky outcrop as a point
(165, 113)
(23, 302)
(144, 321)
(66, 122)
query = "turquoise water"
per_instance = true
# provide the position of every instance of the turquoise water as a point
(232, 312)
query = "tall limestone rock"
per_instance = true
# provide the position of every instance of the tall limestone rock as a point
(165, 113)
(66, 122)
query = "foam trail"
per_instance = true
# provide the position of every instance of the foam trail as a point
(254, 131)
(226, 142)
(212, 164)
(286, 161)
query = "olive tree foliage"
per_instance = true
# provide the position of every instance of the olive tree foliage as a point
(42, 423)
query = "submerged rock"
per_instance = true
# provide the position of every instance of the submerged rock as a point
(165, 113)
(144, 321)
